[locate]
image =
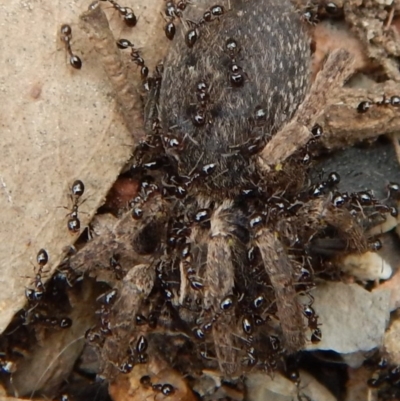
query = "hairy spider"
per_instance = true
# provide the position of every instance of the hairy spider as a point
(219, 235)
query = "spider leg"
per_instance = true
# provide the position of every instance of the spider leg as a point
(140, 242)
(279, 269)
(340, 134)
(219, 280)
(138, 239)
(134, 288)
(295, 134)
(226, 251)
(219, 274)
(319, 214)
(192, 264)
(347, 227)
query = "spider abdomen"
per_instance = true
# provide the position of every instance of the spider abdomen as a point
(243, 78)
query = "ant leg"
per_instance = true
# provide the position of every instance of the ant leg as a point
(66, 36)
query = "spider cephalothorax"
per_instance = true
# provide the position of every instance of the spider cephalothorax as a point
(220, 240)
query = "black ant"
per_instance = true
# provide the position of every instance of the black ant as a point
(173, 11)
(94, 337)
(365, 105)
(106, 300)
(127, 366)
(225, 305)
(210, 15)
(236, 74)
(166, 389)
(142, 357)
(66, 35)
(6, 364)
(141, 347)
(199, 117)
(116, 267)
(136, 58)
(313, 13)
(310, 15)
(312, 318)
(126, 13)
(77, 190)
(394, 190)
(52, 322)
(36, 295)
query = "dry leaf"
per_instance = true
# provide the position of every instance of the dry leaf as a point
(58, 124)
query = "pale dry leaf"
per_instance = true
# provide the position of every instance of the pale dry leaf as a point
(58, 124)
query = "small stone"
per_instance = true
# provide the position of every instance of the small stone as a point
(367, 266)
(351, 318)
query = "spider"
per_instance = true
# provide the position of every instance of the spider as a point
(219, 233)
